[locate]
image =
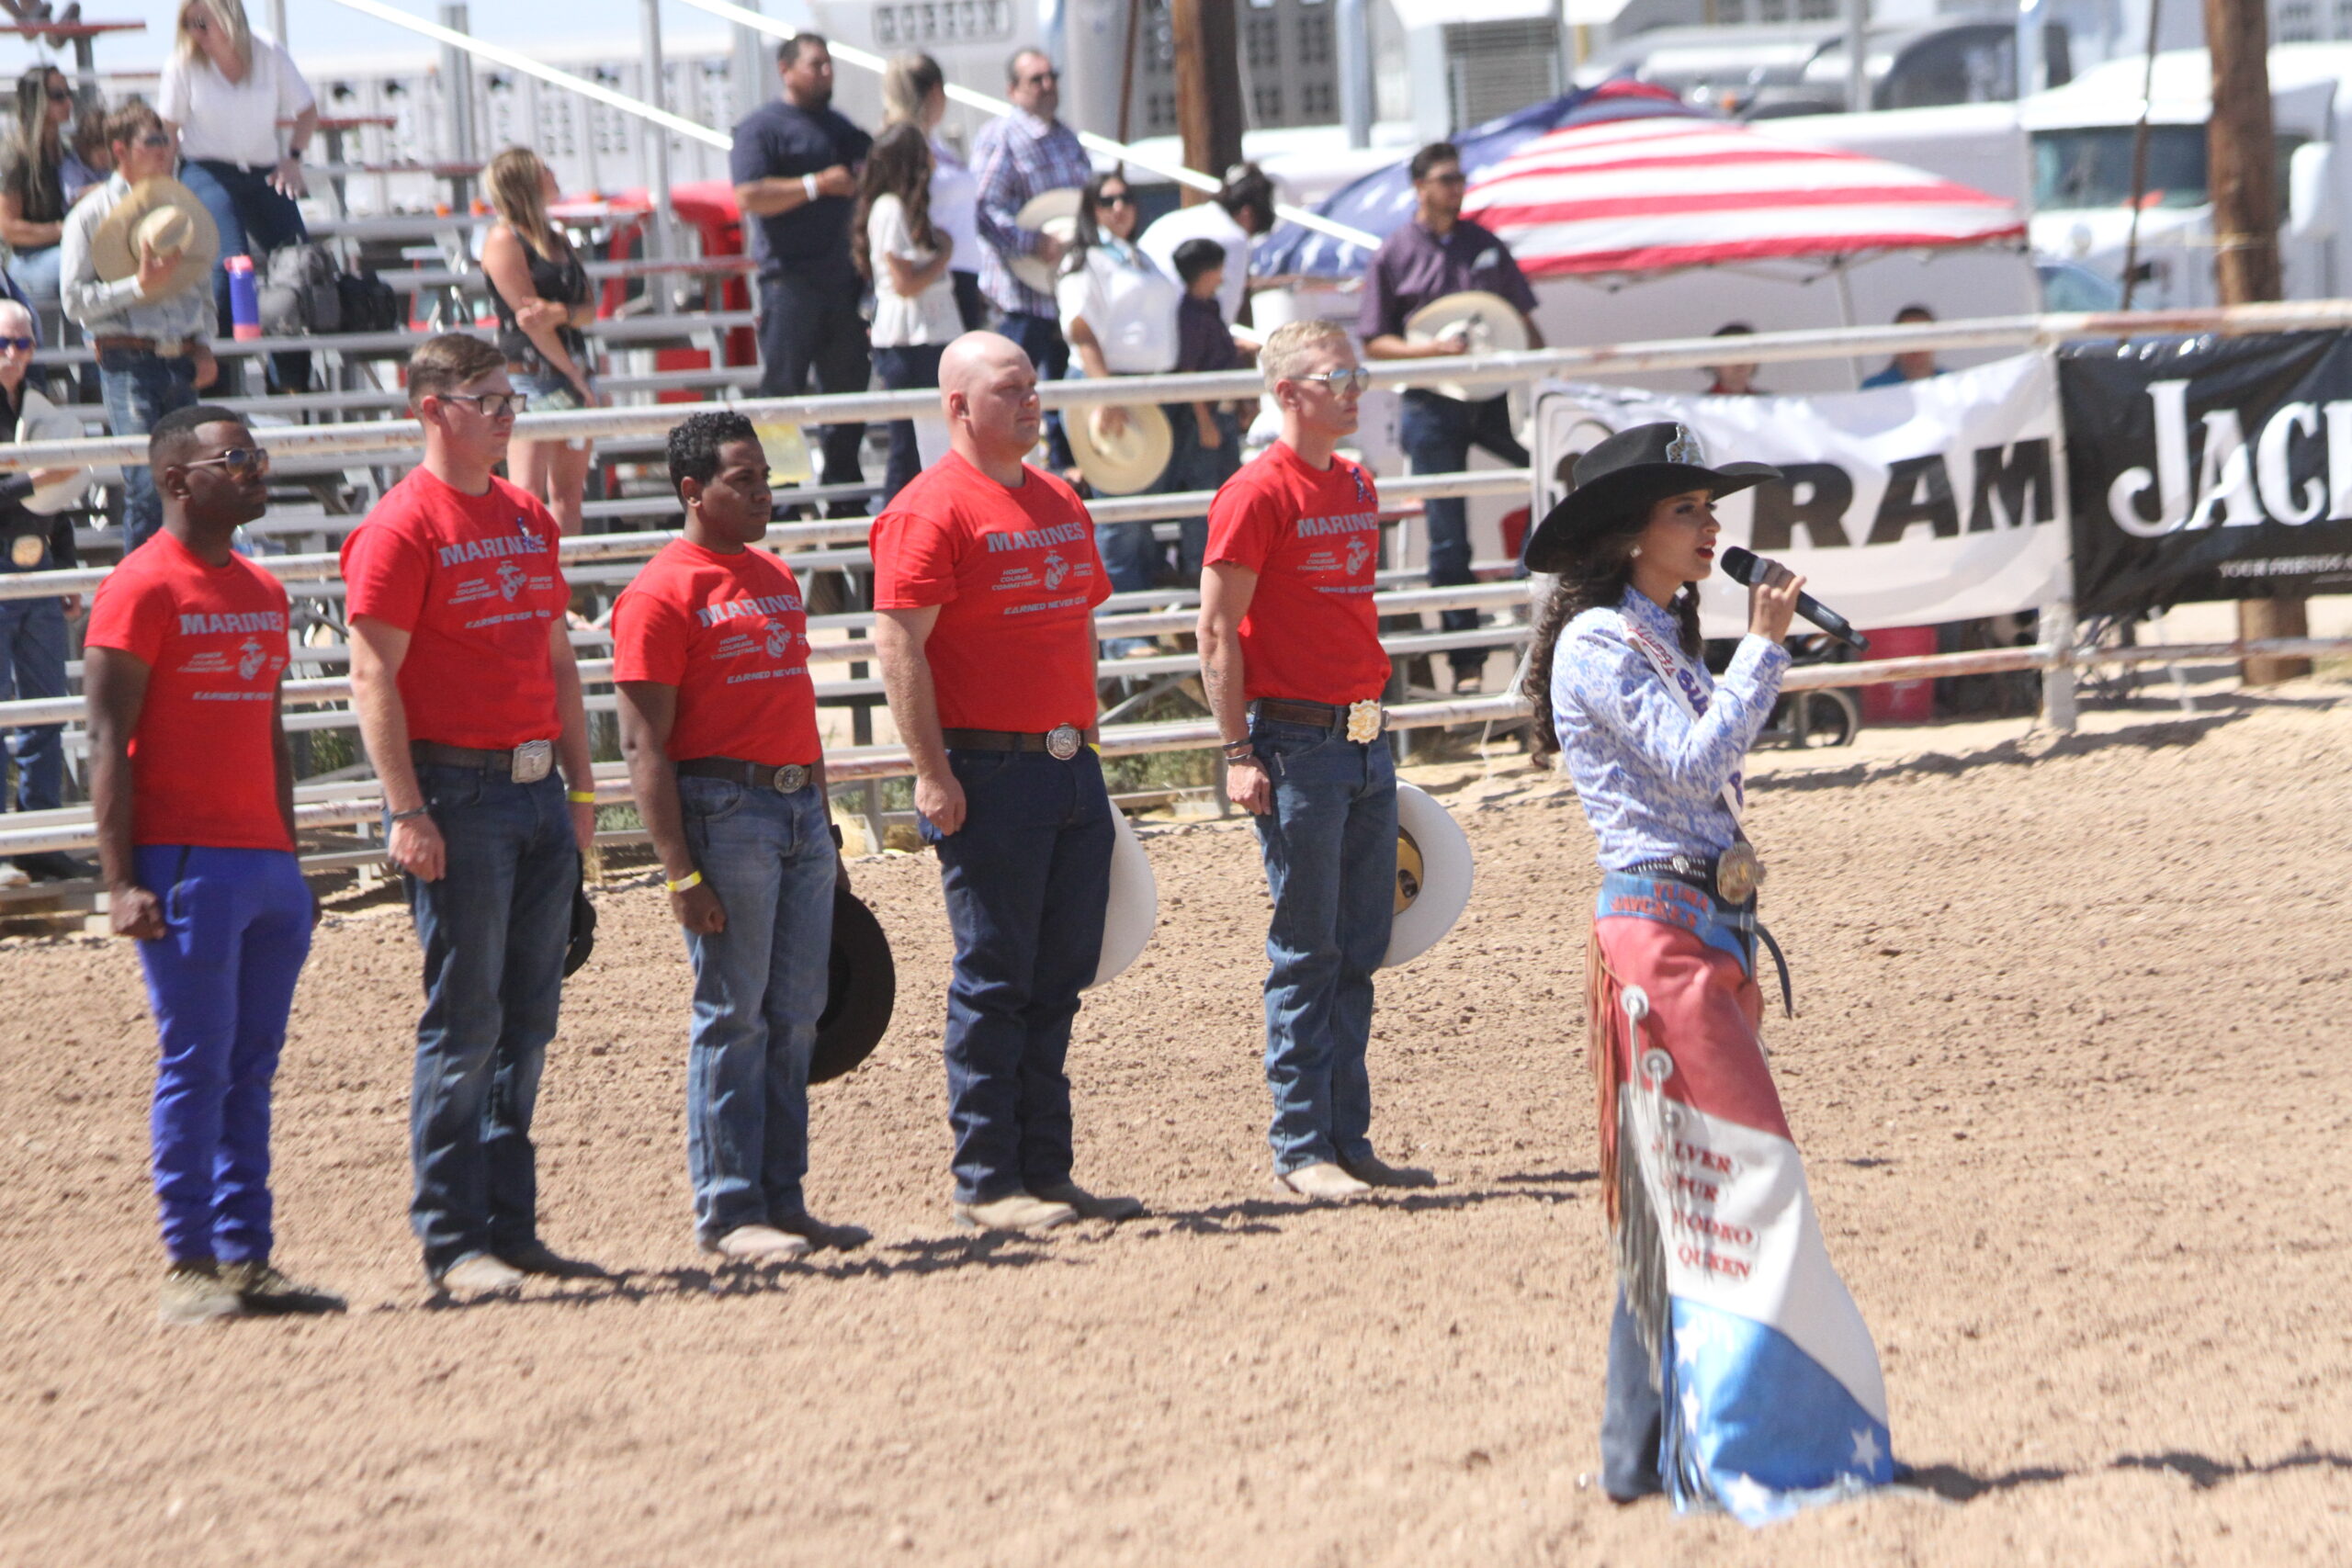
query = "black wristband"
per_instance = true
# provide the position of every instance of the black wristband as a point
(1240, 751)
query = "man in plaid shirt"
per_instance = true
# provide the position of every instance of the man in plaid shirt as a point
(1019, 157)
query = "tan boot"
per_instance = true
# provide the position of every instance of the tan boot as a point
(1018, 1212)
(1088, 1204)
(761, 1244)
(194, 1293)
(1322, 1181)
(480, 1275)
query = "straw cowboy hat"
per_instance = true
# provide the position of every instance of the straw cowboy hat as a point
(162, 216)
(1051, 212)
(1481, 321)
(1628, 473)
(1128, 463)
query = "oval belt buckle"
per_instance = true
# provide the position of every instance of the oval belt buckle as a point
(1737, 872)
(1062, 742)
(790, 777)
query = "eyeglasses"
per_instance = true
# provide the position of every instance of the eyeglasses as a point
(17, 345)
(1041, 78)
(493, 405)
(1356, 378)
(1114, 199)
(239, 460)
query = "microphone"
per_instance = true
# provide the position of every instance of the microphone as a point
(1746, 567)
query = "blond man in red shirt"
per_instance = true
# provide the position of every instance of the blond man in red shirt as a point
(469, 701)
(985, 583)
(1291, 657)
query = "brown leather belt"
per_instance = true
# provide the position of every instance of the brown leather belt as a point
(106, 340)
(788, 779)
(1061, 743)
(527, 763)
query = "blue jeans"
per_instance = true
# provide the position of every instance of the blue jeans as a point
(1633, 1416)
(36, 274)
(493, 929)
(759, 989)
(220, 981)
(1330, 852)
(140, 388)
(916, 365)
(1027, 879)
(1437, 433)
(32, 664)
(811, 327)
(254, 219)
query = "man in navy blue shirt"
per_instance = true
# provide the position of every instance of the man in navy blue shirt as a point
(795, 167)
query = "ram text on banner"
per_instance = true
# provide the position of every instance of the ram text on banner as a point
(2206, 467)
(1935, 501)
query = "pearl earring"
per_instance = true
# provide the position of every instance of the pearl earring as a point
(1638, 550)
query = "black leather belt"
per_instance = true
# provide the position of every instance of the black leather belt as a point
(1061, 743)
(789, 779)
(1705, 873)
(527, 763)
(1324, 716)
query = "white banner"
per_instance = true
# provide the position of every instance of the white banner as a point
(1942, 500)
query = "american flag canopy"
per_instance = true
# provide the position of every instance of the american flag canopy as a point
(1661, 193)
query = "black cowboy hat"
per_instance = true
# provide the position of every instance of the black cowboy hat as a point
(864, 985)
(1626, 474)
(582, 940)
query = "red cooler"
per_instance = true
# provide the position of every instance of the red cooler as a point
(1900, 702)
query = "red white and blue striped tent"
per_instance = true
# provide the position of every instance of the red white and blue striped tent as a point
(1660, 194)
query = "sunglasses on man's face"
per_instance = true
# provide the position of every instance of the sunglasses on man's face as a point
(1452, 177)
(1041, 78)
(493, 405)
(239, 460)
(155, 138)
(1354, 379)
(17, 345)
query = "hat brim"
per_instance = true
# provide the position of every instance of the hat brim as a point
(1553, 544)
(114, 257)
(1130, 462)
(861, 990)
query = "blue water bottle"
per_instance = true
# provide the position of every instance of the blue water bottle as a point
(245, 300)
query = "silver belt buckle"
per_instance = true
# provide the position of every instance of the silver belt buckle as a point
(790, 778)
(533, 760)
(1738, 874)
(1062, 742)
(1366, 721)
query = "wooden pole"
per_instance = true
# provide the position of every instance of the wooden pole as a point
(1127, 74)
(2242, 163)
(1208, 86)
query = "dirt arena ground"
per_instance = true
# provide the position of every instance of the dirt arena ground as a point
(2070, 1078)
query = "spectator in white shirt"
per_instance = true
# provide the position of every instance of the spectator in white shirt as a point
(1243, 209)
(915, 90)
(1119, 313)
(901, 250)
(223, 93)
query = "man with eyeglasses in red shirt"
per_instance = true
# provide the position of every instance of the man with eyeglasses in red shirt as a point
(469, 701)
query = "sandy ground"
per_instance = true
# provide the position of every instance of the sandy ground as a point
(2070, 1077)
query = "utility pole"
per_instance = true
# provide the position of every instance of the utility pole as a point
(1208, 87)
(2241, 155)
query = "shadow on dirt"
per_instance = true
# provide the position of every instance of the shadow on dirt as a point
(2161, 736)
(2207, 1473)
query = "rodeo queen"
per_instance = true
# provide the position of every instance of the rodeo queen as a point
(1740, 1372)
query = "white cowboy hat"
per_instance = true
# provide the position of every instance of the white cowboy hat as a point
(161, 216)
(1432, 875)
(1486, 324)
(1128, 463)
(1134, 908)
(1052, 212)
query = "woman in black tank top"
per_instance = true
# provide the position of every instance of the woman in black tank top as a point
(542, 298)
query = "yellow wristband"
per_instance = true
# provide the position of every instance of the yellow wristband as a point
(582, 796)
(692, 879)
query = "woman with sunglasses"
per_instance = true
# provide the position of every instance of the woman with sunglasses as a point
(1118, 311)
(541, 295)
(33, 188)
(224, 93)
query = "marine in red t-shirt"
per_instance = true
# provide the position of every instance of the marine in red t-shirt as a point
(474, 581)
(1014, 573)
(204, 758)
(1313, 538)
(731, 633)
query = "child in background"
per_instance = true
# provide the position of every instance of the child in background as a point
(1209, 444)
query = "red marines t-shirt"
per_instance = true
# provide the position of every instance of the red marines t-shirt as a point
(1015, 576)
(731, 633)
(473, 580)
(203, 759)
(1313, 538)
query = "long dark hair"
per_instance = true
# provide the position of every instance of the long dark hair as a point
(37, 151)
(1596, 579)
(899, 165)
(1090, 232)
